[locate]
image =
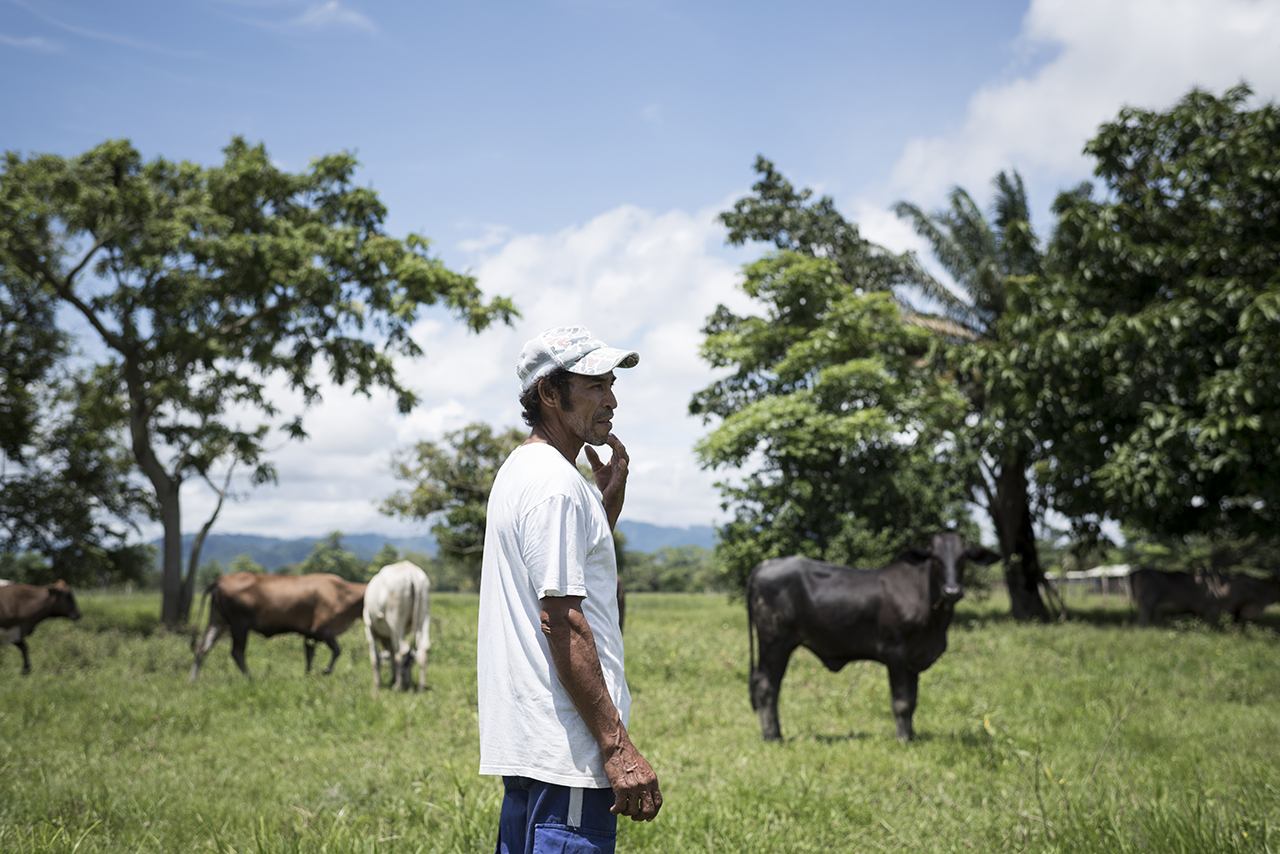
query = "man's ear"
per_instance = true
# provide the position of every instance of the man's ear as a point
(547, 394)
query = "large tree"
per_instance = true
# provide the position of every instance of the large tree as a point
(201, 284)
(849, 446)
(1156, 334)
(450, 481)
(982, 257)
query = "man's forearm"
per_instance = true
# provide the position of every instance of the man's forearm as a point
(577, 664)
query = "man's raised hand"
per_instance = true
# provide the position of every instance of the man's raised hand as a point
(611, 477)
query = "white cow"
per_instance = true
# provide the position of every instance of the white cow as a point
(397, 612)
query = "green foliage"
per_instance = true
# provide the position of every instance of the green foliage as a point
(673, 569)
(1153, 348)
(328, 556)
(244, 563)
(777, 213)
(855, 442)
(451, 481)
(65, 489)
(1032, 739)
(204, 284)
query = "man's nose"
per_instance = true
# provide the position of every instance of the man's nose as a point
(610, 400)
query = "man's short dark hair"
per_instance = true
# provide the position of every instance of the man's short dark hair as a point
(532, 403)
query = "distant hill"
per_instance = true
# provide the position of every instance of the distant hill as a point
(274, 552)
(643, 537)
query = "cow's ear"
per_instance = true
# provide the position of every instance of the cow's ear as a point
(914, 554)
(979, 554)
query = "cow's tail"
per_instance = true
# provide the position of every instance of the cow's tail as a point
(195, 631)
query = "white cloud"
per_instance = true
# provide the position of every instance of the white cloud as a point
(31, 43)
(637, 279)
(1108, 54)
(333, 14)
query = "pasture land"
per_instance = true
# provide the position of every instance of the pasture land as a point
(1088, 736)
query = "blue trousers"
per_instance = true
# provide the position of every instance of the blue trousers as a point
(543, 818)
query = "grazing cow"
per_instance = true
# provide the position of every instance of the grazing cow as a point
(397, 612)
(896, 615)
(1210, 596)
(22, 606)
(319, 607)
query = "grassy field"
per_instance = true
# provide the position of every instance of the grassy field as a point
(1087, 736)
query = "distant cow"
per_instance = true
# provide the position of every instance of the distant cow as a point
(319, 607)
(1210, 596)
(896, 615)
(23, 606)
(397, 613)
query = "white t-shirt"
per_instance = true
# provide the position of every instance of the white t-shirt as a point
(546, 535)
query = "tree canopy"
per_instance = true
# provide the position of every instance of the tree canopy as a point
(451, 481)
(1154, 340)
(204, 283)
(849, 447)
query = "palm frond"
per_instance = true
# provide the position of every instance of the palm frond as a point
(949, 254)
(944, 326)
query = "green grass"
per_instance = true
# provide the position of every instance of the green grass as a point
(1087, 736)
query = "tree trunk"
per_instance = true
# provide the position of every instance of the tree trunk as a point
(193, 564)
(167, 488)
(171, 613)
(1011, 515)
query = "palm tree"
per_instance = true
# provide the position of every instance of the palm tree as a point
(982, 257)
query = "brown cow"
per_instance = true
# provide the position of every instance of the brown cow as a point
(22, 606)
(319, 607)
(1209, 596)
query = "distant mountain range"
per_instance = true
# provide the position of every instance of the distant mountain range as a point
(643, 537)
(274, 552)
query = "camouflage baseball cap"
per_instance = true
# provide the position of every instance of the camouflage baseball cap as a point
(573, 348)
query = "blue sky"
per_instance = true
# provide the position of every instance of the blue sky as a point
(573, 155)
(534, 116)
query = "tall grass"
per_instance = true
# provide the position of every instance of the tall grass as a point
(1087, 736)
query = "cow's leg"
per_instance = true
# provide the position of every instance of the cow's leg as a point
(766, 680)
(26, 658)
(373, 656)
(211, 635)
(406, 669)
(903, 684)
(239, 636)
(420, 653)
(332, 643)
(398, 646)
(309, 647)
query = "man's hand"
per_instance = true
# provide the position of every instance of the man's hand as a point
(611, 478)
(635, 786)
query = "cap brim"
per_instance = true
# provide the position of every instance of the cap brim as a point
(604, 360)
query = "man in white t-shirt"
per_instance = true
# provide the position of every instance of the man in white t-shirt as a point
(554, 704)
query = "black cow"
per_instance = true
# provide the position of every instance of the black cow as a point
(23, 606)
(1210, 596)
(896, 615)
